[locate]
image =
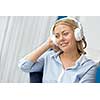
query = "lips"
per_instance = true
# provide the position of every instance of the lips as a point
(63, 44)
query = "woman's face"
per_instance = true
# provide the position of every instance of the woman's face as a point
(65, 38)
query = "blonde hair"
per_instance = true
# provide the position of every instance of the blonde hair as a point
(81, 45)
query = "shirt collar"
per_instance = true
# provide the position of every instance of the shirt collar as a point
(81, 59)
(79, 62)
(55, 54)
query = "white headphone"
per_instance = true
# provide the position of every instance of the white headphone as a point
(78, 32)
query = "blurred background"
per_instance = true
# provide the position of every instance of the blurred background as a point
(19, 35)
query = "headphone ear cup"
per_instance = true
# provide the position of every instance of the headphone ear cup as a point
(78, 34)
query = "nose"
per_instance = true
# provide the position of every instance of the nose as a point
(61, 37)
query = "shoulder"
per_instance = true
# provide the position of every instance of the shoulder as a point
(87, 63)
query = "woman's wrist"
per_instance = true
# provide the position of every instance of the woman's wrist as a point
(47, 45)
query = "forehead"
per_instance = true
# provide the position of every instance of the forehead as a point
(69, 23)
(62, 27)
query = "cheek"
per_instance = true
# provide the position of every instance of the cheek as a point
(70, 37)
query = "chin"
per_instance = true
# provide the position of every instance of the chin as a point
(65, 49)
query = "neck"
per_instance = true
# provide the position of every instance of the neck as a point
(73, 56)
(69, 59)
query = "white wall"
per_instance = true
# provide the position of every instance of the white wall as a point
(19, 36)
(91, 25)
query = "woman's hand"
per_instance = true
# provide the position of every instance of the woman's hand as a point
(52, 45)
(50, 42)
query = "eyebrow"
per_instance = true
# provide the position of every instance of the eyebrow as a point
(61, 32)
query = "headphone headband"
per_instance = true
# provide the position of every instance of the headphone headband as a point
(71, 18)
(78, 32)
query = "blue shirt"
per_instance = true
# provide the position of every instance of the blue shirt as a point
(83, 71)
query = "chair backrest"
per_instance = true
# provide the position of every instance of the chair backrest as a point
(98, 73)
(36, 77)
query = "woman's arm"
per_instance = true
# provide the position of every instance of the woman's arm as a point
(33, 56)
(32, 62)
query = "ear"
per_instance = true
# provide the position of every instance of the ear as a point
(53, 39)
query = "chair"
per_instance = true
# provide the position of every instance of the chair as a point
(36, 77)
(98, 73)
(59, 17)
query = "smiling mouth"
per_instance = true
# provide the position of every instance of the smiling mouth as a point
(64, 44)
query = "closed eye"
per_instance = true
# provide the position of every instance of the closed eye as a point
(65, 33)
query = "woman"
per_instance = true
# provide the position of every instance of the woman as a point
(67, 63)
